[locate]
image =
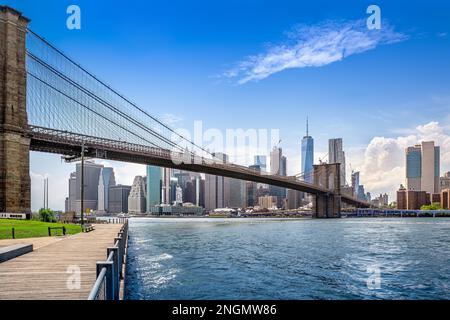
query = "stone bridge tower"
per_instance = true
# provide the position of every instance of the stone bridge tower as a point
(327, 205)
(14, 145)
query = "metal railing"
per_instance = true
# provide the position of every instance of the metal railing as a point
(110, 272)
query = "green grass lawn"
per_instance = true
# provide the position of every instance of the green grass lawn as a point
(33, 228)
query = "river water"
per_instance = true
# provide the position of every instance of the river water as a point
(353, 258)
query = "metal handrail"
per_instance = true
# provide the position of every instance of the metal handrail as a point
(109, 272)
(97, 284)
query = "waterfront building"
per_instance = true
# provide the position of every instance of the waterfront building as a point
(91, 178)
(423, 167)
(293, 199)
(106, 180)
(436, 198)
(268, 202)
(384, 199)
(444, 181)
(411, 199)
(401, 198)
(137, 197)
(336, 154)
(238, 193)
(154, 186)
(176, 210)
(445, 199)
(178, 195)
(118, 198)
(307, 156)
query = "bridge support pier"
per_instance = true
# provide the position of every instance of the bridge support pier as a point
(327, 205)
(14, 145)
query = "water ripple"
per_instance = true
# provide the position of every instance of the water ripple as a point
(288, 259)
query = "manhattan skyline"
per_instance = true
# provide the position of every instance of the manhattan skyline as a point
(380, 100)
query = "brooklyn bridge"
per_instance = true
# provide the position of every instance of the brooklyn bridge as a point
(49, 103)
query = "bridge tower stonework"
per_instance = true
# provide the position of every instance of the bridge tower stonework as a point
(327, 205)
(14, 145)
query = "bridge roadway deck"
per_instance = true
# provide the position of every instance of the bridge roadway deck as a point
(43, 273)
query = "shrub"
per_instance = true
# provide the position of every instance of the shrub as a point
(433, 206)
(47, 215)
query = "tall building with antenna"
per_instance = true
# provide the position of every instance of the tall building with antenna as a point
(307, 155)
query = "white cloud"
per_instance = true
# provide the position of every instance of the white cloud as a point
(314, 46)
(171, 119)
(382, 165)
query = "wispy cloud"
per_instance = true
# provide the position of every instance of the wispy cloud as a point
(171, 119)
(314, 46)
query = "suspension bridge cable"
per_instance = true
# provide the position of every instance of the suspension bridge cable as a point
(102, 101)
(86, 107)
(115, 92)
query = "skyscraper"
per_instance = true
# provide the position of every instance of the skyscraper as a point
(217, 189)
(72, 201)
(165, 182)
(337, 155)
(261, 161)
(118, 199)
(136, 199)
(423, 167)
(153, 186)
(355, 183)
(307, 155)
(91, 178)
(277, 166)
(238, 198)
(106, 180)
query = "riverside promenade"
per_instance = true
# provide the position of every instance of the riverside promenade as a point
(50, 271)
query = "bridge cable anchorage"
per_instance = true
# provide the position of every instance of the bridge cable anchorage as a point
(129, 102)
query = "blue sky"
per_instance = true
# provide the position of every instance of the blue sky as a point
(171, 57)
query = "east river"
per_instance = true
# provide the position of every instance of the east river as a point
(353, 258)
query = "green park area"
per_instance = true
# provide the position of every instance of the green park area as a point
(35, 228)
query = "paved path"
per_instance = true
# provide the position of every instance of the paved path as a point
(43, 273)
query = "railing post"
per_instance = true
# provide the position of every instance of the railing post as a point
(49, 232)
(64, 230)
(13, 233)
(115, 270)
(109, 286)
(120, 253)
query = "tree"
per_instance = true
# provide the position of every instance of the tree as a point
(433, 206)
(47, 215)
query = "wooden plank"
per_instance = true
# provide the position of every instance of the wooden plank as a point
(46, 272)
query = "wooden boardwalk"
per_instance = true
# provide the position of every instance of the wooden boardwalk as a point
(45, 272)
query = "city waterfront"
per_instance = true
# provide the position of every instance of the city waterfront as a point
(288, 259)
